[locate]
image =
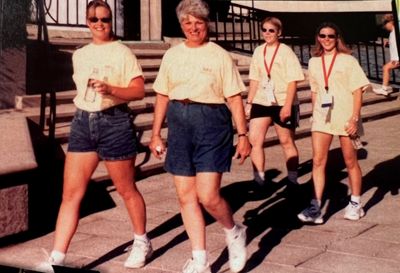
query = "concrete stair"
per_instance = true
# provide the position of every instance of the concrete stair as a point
(375, 107)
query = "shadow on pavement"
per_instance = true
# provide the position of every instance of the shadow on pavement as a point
(385, 178)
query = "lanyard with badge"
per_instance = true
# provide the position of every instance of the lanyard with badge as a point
(268, 84)
(327, 98)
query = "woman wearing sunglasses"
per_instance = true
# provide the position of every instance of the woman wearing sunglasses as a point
(107, 76)
(337, 82)
(272, 99)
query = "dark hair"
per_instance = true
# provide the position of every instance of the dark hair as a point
(341, 46)
(99, 3)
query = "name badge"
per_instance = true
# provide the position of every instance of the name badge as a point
(326, 100)
(268, 86)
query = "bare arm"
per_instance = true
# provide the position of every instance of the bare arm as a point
(243, 147)
(286, 110)
(351, 129)
(160, 109)
(134, 91)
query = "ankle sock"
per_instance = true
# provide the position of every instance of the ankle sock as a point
(292, 176)
(57, 257)
(259, 177)
(199, 257)
(355, 199)
(142, 237)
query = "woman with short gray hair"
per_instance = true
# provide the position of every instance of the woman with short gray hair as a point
(195, 80)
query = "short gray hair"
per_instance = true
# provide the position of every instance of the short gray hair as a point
(196, 8)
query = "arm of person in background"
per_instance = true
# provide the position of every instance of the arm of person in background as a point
(286, 110)
(134, 91)
(156, 145)
(250, 96)
(243, 147)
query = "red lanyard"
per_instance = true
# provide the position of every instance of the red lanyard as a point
(326, 76)
(272, 60)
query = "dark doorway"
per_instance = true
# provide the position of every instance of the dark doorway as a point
(131, 20)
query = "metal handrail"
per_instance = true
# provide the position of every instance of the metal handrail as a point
(244, 35)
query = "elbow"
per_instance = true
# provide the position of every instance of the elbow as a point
(140, 94)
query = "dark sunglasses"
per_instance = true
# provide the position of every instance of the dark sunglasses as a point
(270, 30)
(330, 36)
(103, 20)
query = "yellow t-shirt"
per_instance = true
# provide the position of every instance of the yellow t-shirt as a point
(285, 69)
(346, 77)
(114, 59)
(203, 74)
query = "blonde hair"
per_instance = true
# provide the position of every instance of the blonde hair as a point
(274, 21)
(196, 8)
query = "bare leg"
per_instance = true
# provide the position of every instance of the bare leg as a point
(353, 168)
(79, 167)
(122, 173)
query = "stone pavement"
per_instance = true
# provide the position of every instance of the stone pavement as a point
(277, 242)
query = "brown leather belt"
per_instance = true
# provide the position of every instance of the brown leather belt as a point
(188, 101)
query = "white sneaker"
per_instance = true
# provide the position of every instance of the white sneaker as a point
(381, 91)
(237, 250)
(353, 211)
(191, 267)
(47, 266)
(140, 253)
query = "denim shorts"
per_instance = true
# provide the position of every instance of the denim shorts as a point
(200, 138)
(110, 133)
(261, 111)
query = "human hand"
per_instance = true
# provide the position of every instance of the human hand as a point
(243, 149)
(101, 87)
(351, 127)
(285, 113)
(247, 110)
(156, 146)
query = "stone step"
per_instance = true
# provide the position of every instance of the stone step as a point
(147, 164)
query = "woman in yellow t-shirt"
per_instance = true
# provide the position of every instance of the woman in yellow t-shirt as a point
(195, 79)
(337, 82)
(272, 99)
(107, 76)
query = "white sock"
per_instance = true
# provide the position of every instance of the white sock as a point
(57, 257)
(142, 237)
(385, 87)
(319, 202)
(259, 177)
(292, 176)
(355, 199)
(199, 257)
(231, 233)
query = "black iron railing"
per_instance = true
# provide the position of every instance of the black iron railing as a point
(239, 30)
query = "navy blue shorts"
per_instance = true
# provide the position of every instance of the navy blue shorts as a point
(110, 133)
(261, 111)
(200, 138)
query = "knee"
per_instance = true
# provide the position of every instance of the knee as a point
(127, 192)
(210, 203)
(319, 162)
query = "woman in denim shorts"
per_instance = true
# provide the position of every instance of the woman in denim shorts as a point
(195, 79)
(107, 76)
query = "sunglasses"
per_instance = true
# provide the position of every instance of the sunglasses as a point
(330, 36)
(103, 20)
(270, 30)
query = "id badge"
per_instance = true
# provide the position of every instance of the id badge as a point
(326, 100)
(268, 86)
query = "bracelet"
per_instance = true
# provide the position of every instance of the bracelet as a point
(248, 102)
(242, 135)
(354, 118)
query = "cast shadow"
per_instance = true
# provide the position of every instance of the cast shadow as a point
(385, 178)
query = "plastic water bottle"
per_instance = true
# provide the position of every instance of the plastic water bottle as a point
(90, 94)
(356, 141)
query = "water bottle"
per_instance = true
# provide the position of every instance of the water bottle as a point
(90, 94)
